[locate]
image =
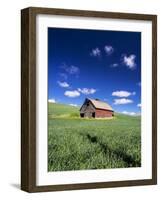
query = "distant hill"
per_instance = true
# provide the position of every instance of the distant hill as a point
(62, 110)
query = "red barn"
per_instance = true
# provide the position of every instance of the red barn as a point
(94, 108)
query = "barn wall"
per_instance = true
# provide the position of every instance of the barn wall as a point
(103, 113)
(87, 109)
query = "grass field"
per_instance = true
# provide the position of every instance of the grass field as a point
(76, 144)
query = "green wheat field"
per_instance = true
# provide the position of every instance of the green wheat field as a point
(78, 144)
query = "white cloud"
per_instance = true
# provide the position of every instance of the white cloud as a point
(139, 105)
(51, 100)
(72, 93)
(129, 113)
(71, 104)
(129, 61)
(109, 49)
(63, 84)
(73, 70)
(114, 65)
(64, 76)
(122, 101)
(122, 93)
(87, 90)
(96, 52)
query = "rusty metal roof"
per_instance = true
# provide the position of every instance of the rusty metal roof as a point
(100, 104)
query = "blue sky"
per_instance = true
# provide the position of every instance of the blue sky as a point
(95, 64)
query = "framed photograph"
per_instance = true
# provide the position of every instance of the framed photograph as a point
(89, 99)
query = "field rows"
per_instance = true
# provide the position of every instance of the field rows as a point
(75, 144)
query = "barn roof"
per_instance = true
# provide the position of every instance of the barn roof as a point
(100, 104)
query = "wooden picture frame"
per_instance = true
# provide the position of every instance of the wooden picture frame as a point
(28, 98)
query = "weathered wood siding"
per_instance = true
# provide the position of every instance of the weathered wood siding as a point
(87, 110)
(103, 113)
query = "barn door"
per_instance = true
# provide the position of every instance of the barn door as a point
(82, 115)
(93, 114)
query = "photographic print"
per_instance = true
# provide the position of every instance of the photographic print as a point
(88, 99)
(94, 99)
